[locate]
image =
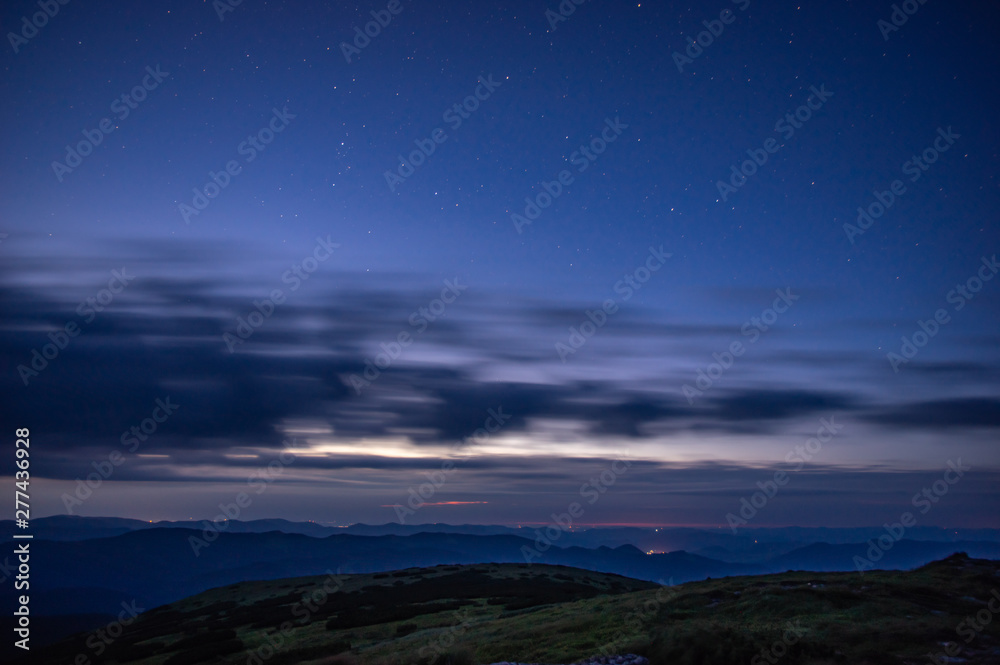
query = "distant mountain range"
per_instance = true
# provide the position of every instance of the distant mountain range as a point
(748, 544)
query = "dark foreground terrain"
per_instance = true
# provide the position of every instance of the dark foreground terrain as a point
(551, 614)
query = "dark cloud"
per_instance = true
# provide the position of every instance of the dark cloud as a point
(163, 337)
(776, 405)
(940, 414)
(956, 369)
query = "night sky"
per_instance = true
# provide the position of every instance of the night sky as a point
(628, 241)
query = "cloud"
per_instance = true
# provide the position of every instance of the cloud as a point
(758, 405)
(163, 337)
(956, 413)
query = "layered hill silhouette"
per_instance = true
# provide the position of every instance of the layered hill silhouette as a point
(720, 543)
(89, 575)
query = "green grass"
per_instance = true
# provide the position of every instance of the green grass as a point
(465, 615)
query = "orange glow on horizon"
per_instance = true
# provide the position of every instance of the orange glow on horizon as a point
(443, 503)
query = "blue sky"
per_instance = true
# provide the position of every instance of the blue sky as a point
(479, 304)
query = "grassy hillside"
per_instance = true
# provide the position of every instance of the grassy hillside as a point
(487, 613)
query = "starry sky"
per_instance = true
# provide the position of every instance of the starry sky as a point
(480, 253)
